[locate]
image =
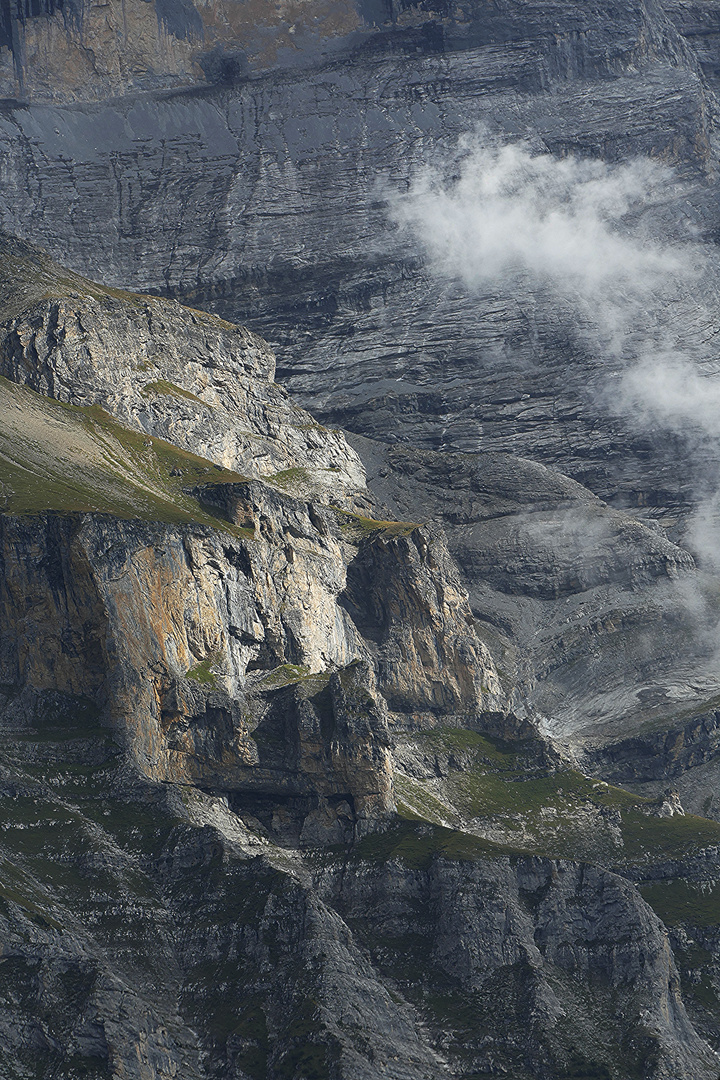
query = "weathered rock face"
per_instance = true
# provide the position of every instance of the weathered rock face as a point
(259, 671)
(271, 206)
(685, 756)
(190, 952)
(570, 584)
(80, 50)
(75, 51)
(189, 378)
(151, 605)
(145, 933)
(148, 605)
(525, 935)
(602, 622)
(280, 674)
(212, 655)
(406, 598)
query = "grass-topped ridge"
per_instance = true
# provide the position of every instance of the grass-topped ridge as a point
(169, 389)
(29, 276)
(680, 901)
(504, 790)
(288, 478)
(292, 675)
(418, 843)
(355, 527)
(466, 740)
(78, 459)
(32, 277)
(202, 672)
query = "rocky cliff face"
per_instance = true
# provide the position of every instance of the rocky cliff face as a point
(273, 201)
(253, 771)
(78, 51)
(513, 941)
(213, 655)
(203, 384)
(126, 613)
(310, 742)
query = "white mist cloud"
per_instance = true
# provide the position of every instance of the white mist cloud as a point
(494, 212)
(667, 389)
(591, 239)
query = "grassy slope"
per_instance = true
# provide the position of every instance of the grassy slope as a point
(70, 459)
(496, 793)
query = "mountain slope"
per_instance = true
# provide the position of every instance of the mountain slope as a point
(271, 808)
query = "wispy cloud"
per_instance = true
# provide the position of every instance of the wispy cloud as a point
(592, 239)
(493, 211)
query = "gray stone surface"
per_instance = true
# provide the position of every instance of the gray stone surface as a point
(524, 931)
(268, 203)
(604, 624)
(250, 826)
(207, 723)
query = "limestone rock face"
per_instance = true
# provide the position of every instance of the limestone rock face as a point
(127, 977)
(214, 652)
(535, 923)
(49, 597)
(278, 797)
(168, 932)
(564, 588)
(405, 596)
(191, 379)
(149, 605)
(213, 655)
(264, 787)
(83, 50)
(274, 207)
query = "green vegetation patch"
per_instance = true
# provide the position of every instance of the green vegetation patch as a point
(287, 478)
(202, 673)
(417, 845)
(498, 778)
(356, 527)
(495, 753)
(540, 809)
(482, 794)
(679, 901)
(169, 389)
(416, 803)
(289, 675)
(78, 459)
(666, 837)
